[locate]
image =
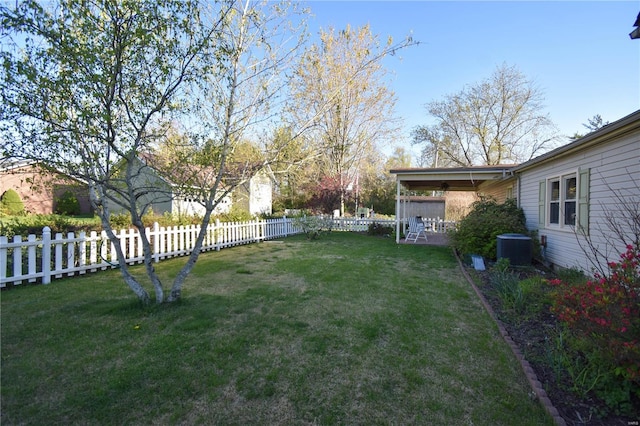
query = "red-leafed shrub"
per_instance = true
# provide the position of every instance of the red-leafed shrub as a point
(603, 317)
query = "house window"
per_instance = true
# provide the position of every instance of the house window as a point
(509, 192)
(569, 195)
(563, 201)
(554, 201)
(562, 194)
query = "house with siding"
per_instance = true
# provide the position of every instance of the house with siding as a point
(40, 188)
(161, 195)
(252, 191)
(574, 194)
(256, 194)
(571, 195)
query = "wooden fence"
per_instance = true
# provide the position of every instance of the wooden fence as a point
(47, 257)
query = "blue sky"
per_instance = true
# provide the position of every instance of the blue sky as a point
(577, 52)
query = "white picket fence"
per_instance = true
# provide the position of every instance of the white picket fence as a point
(55, 256)
(352, 224)
(434, 224)
(46, 257)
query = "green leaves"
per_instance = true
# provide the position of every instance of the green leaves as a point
(477, 232)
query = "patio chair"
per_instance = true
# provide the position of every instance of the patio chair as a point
(416, 229)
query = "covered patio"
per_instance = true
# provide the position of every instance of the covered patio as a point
(441, 179)
(434, 239)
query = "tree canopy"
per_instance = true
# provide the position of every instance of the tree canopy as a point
(339, 93)
(87, 88)
(498, 120)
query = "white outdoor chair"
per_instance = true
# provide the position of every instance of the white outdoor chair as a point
(416, 229)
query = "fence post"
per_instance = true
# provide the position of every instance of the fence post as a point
(82, 252)
(17, 258)
(46, 255)
(156, 242)
(216, 234)
(3, 260)
(71, 253)
(58, 253)
(32, 261)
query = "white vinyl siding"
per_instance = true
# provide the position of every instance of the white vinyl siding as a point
(602, 172)
(500, 190)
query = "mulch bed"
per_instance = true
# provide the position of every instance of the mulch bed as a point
(530, 336)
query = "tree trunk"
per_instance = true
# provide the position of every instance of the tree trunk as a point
(176, 288)
(103, 212)
(148, 263)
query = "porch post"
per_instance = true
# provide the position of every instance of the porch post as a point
(398, 209)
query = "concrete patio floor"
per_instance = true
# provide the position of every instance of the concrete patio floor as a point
(432, 240)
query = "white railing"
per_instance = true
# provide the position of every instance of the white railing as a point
(436, 225)
(351, 224)
(55, 256)
(432, 224)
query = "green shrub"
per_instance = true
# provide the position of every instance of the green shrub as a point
(170, 219)
(536, 292)
(12, 203)
(235, 214)
(478, 231)
(120, 220)
(313, 226)
(376, 228)
(68, 204)
(506, 285)
(33, 224)
(571, 275)
(61, 224)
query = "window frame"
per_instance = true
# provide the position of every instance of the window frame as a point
(558, 219)
(510, 192)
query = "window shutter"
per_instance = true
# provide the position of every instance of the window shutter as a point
(583, 201)
(542, 203)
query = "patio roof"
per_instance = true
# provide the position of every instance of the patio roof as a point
(451, 178)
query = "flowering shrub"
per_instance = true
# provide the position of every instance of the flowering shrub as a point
(313, 226)
(603, 316)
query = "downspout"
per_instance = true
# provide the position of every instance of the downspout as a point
(518, 189)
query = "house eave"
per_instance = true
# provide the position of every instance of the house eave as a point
(450, 179)
(603, 135)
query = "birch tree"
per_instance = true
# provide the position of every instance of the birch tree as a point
(340, 92)
(86, 87)
(499, 120)
(241, 93)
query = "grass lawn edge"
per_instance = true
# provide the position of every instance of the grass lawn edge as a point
(535, 384)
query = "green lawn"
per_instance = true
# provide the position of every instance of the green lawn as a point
(348, 329)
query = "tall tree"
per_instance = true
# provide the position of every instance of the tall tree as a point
(379, 186)
(339, 93)
(292, 167)
(594, 123)
(498, 120)
(85, 88)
